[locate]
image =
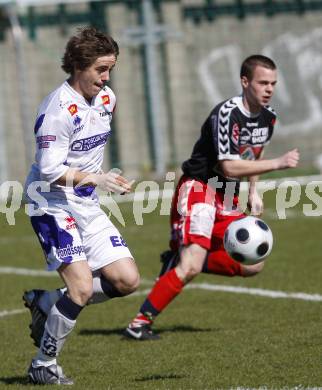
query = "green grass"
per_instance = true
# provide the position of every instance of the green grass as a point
(209, 339)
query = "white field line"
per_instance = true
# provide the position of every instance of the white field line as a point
(7, 313)
(200, 286)
(26, 272)
(256, 291)
(13, 239)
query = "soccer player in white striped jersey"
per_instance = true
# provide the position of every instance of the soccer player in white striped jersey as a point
(78, 239)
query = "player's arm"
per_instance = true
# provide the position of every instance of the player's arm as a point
(239, 168)
(255, 201)
(110, 181)
(52, 151)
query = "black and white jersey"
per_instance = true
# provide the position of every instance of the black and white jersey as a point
(229, 133)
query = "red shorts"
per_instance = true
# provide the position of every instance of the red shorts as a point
(200, 215)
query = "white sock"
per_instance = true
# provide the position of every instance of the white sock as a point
(57, 329)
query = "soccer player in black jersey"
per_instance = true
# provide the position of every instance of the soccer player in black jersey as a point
(230, 147)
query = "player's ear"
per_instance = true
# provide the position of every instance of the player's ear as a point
(244, 82)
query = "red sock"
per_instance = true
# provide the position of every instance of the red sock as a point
(220, 263)
(165, 290)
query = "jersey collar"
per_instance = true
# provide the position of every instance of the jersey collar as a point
(240, 105)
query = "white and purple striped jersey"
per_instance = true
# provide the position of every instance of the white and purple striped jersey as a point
(71, 132)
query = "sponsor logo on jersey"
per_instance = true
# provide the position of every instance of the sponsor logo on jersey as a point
(70, 223)
(247, 153)
(70, 250)
(105, 113)
(43, 141)
(43, 145)
(90, 143)
(235, 133)
(77, 120)
(252, 124)
(117, 241)
(253, 136)
(105, 99)
(72, 109)
(259, 135)
(78, 129)
(245, 135)
(250, 152)
(43, 138)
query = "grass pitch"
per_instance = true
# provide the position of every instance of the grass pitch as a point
(210, 340)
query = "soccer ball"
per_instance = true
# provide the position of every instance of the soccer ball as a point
(248, 240)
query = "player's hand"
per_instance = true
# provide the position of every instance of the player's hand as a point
(289, 159)
(255, 204)
(112, 181)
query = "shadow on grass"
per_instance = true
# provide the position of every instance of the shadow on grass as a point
(15, 380)
(158, 377)
(119, 331)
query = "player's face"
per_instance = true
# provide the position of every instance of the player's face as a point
(90, 81)
(259, 90)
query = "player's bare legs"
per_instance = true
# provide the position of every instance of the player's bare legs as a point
(77, 277)
(252, 270)
(191, 261)
(167, 287)
(123, 274)
(117, 279)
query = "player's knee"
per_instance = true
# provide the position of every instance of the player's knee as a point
(192, 271)
(251, 270)
(128, 284)
(191, 262)
(81, 293)
(187, 272)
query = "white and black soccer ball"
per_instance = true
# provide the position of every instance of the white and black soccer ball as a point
(248, 240)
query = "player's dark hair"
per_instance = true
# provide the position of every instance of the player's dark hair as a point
(250, 63)
(83, 49)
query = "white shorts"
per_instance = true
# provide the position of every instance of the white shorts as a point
(78, 230)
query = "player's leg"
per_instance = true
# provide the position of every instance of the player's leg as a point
(120, 283)
(117, 279)
(192, 223)
(61, 244)
(115, 271)
(103, 244)
(166, 288)
(64, 251)
(60, 322)
(218, 261)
